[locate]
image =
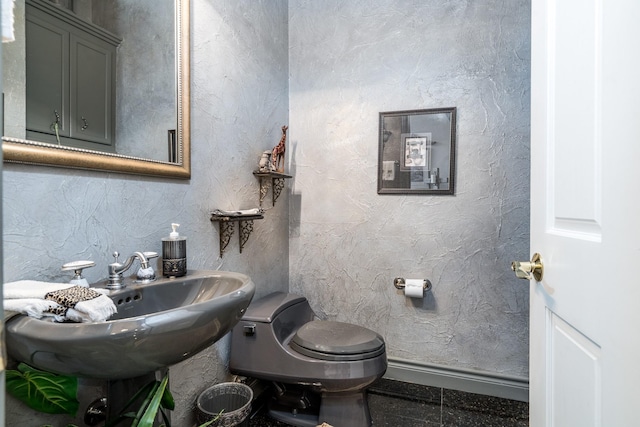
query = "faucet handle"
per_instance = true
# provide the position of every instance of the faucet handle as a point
(147, 274)
(116, 254)
(150, 255)
(77, 267)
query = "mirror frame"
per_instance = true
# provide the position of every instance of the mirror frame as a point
(450, 144)
(22, 151)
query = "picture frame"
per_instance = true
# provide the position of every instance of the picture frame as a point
(416, 151)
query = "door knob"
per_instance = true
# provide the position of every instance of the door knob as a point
(527, 270)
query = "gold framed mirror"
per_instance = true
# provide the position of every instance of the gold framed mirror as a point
(26, 151)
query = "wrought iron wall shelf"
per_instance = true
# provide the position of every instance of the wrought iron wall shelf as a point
(273, 179)
(227, 227)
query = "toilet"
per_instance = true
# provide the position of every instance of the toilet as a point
(320, 369)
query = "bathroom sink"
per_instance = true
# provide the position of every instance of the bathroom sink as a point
(157, 325)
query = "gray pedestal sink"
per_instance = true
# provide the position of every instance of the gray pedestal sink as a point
(157, 325)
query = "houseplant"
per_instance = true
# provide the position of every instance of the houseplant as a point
(56, 394)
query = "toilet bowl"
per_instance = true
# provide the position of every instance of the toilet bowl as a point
(320, 369)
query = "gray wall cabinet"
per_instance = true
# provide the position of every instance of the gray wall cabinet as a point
(71, 69)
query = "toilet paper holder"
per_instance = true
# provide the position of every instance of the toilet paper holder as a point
(398, 282)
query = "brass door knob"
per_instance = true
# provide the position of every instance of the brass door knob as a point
(527, 270)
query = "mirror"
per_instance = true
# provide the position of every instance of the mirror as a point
(173, 137)
(416, 152)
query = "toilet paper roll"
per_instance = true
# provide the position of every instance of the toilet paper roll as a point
(414, 288)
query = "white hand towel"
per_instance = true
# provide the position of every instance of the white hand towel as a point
(31, 289)
(28, 297)
(34, 307)
(97, 310)
(76, 316)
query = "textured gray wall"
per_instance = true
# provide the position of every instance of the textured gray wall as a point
(349, 60)
(239, 103)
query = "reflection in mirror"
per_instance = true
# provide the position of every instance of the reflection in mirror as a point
(149, 95)
(416, 152)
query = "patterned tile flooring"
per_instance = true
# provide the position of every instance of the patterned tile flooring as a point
(398, 404)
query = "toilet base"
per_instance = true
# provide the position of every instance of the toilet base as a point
(294, 405)
(337, 409)
(345, 409)
(295, 418)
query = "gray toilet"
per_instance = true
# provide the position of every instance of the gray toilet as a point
(320, 369)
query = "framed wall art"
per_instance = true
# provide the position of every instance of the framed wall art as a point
(416, 152)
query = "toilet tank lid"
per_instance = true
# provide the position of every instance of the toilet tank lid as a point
(265, 309)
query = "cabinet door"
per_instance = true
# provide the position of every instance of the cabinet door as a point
(47, 75)
(92, 90)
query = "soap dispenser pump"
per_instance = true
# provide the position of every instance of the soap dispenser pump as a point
(174, 254)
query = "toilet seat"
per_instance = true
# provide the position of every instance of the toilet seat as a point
(337, 341)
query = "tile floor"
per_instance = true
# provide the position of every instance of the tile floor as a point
(398, 404)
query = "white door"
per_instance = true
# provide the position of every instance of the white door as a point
(585, 213)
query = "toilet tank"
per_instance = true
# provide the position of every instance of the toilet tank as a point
(265, 309)
(257, 340)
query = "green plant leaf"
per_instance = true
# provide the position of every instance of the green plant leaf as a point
(167, 401)
(213, 420)
(165, 418)
(120, 418)
(154, 405)
(145, 404)
(122, 415)
(150, 390)
(43, 391)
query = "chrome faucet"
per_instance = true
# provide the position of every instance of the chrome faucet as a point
(116, 279)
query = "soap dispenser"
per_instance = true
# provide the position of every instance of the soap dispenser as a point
(174, 254)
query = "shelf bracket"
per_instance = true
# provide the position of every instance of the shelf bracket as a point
(246, 227)
(277, 184)
(227, 228)
(264, 187)
(226, 231)
(273, 179)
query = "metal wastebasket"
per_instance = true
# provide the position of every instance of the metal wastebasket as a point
(234, 399)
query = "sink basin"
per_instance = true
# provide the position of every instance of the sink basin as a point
(157, 325)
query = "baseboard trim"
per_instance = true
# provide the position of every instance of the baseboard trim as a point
(468, 380)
